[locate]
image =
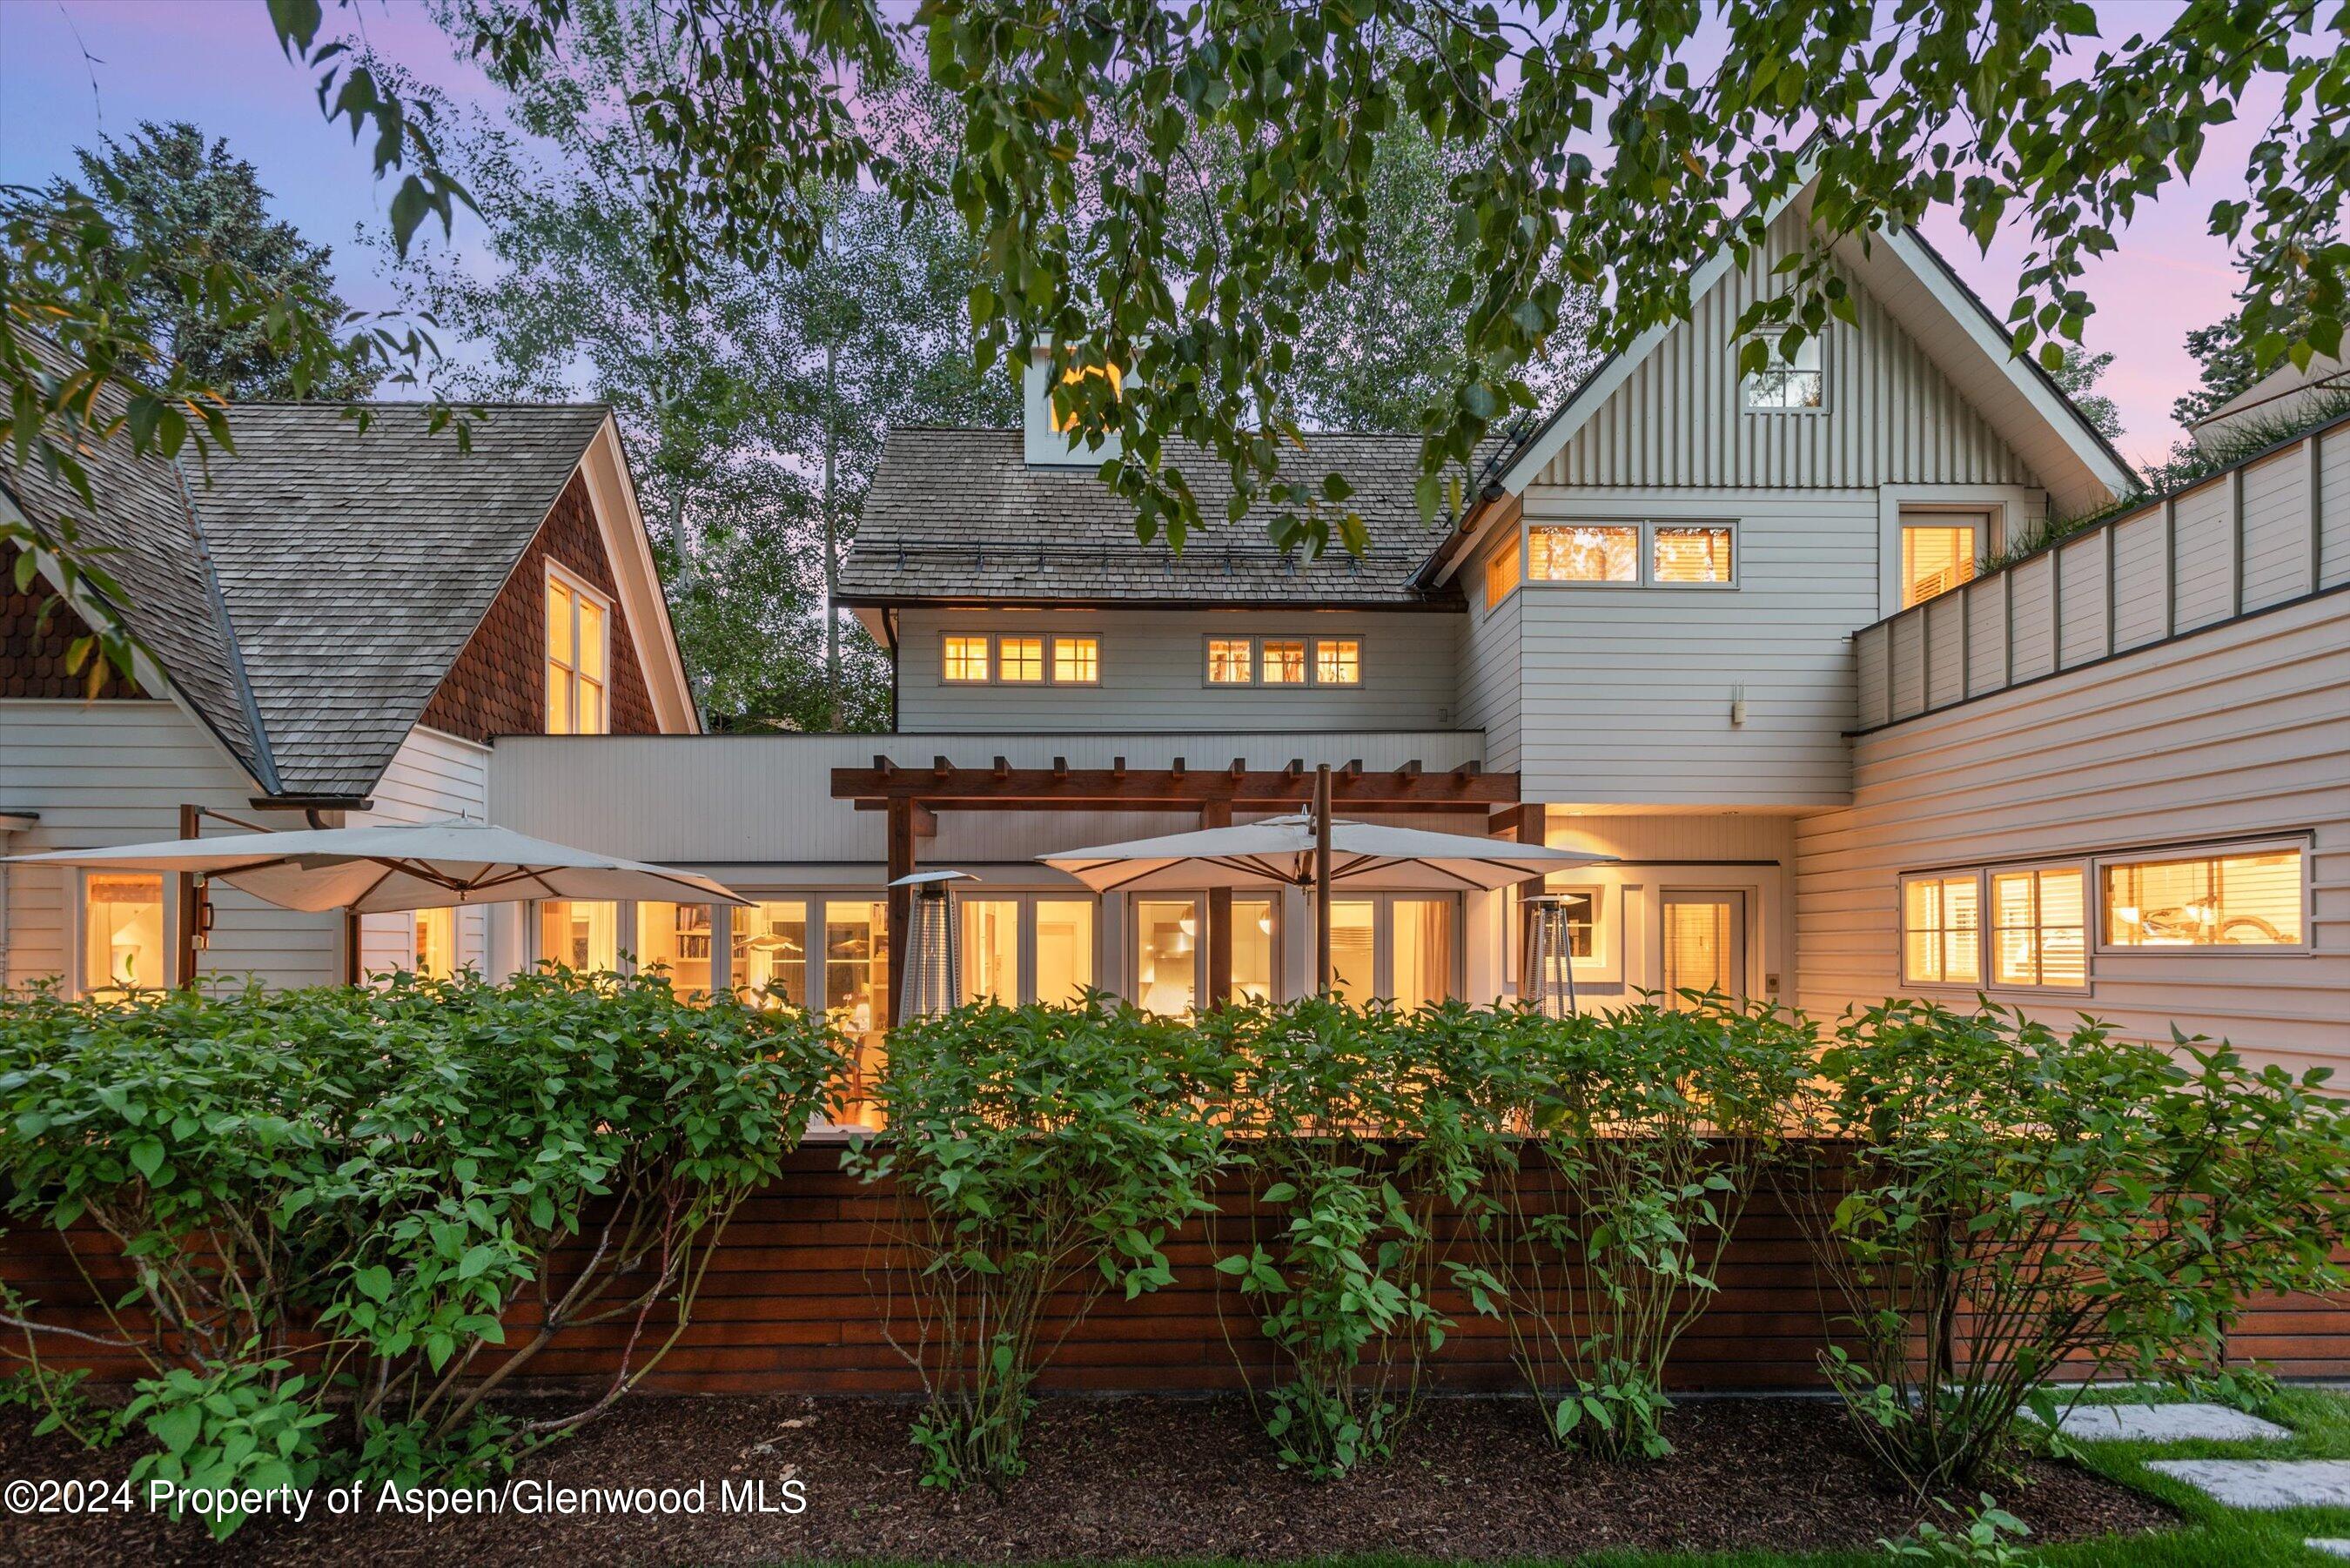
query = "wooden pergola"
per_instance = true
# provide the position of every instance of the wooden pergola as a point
(912, 795)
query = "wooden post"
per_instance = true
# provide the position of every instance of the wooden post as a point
(901, 864)
(1218, 813)
(1321, 879)
(183, 967)
(350, 948)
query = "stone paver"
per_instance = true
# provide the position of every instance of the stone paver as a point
(2266, 1483)
(2331, 1546)
(2166, 1424)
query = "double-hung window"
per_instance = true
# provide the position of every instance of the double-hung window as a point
(579, 656)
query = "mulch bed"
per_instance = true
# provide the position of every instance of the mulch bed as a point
(1110, 1478)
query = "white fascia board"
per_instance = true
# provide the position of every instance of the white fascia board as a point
(612, 491)
(2044, 402)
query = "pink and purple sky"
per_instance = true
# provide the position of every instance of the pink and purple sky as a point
(73, 69)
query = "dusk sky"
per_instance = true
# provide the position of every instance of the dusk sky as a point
(70, 70)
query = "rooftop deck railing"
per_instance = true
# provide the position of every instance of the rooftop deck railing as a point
(2265, 532)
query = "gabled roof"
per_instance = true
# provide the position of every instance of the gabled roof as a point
(305, 595)
(959, 515)
(1964, 338)
(354, 564)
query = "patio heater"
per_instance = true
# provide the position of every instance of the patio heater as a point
(1549, 979)
(930, 971)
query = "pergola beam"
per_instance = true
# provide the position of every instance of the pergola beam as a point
(998, 787)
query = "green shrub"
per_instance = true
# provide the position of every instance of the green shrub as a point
(1645, 1134)
(1359, 1130)
(2016, 1201)
(345, 1194)
(1038, 1153)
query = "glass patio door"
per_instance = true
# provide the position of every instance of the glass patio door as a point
(1704, 943)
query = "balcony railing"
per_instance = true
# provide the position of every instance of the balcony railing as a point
(2260, 534)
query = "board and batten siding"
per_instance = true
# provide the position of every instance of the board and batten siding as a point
(2241, 732)
(1154, 673)
(117, 772)
(1626, 692)
(1891, 416)
(432, 778)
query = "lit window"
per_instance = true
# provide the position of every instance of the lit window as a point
(1935, 559)
(1581, 906)
(1232, 661)
(1252, 947)
(578, 655)
(1337, 661)
(1354, 949)
(2039, 927)
(991, 951)
(2252, 899)
(436, 943)
(857, 993)
(1020, 660)
(676, 939)
(1941, 925)
(1573, 553)
(122, 942)
(1166, 956)
(1392, 947)
(1283, 661)
(1787, 383)
(1503, 571)
(579, 935)
(1692, 554)
(1064, 949)
(1077, 661)
(770, 950)
(964, 660)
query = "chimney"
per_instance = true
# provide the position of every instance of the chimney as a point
(1044, 446)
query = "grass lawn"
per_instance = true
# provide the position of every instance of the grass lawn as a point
(2213, 1537)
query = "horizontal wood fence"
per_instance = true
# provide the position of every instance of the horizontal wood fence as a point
(2264, 533)
(799, 1299)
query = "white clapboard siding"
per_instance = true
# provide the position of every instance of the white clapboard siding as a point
(2241, 732)
(2241, 542)
(2276, 529)
(1493, 696)
(2081, 579)
(766, 800)
(2032, 628)
(99, 774)
(2141, 557)
(1628, 693)
(431, 777)
(2205, 583)
(1891, 416)
(1154, 672)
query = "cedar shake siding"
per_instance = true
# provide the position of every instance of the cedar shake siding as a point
(33, 656)
(498, 684)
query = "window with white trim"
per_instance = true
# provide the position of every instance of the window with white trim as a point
(124, 945)
(1628, 553)
(579, 656)
(1023, 658)
(2039, 927)
(2250, 898)
(1941, 929)
(1283, 660)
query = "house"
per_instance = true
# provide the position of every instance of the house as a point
(1785, 646)
(335, 622)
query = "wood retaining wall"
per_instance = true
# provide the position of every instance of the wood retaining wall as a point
(799, 1297)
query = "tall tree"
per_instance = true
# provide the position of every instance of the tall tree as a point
(756, 400)
(1079, 123)
(2229, 361)
(170, 193)
(2077, 379)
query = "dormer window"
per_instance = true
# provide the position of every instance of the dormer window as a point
(1787, 384)
(579, 656)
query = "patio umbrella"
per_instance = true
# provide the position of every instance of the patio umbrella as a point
(383, 870)
(1314, 850)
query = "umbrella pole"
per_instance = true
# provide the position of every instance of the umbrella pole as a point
(1322, 880)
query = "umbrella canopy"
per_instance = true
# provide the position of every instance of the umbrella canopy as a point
(381, 870)
(1280, 851)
